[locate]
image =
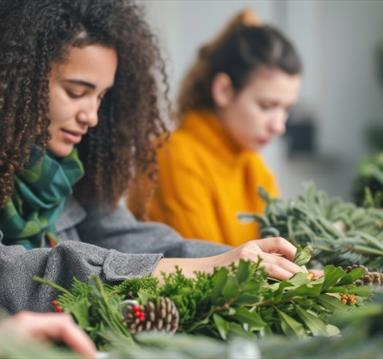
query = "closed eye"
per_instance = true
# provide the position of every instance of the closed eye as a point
(75, 95)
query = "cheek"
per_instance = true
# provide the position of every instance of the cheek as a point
(253, 119)
(59, 110)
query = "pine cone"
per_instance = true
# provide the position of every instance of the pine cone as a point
(374, 278)
(159, 316)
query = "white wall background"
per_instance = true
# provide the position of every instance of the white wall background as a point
(336, 39)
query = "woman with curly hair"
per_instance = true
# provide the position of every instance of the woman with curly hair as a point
(233, 101)
(80, 106)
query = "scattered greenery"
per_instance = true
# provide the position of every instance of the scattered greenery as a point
(367, 188)
(362, 337)
(235, 301)
(339, 232)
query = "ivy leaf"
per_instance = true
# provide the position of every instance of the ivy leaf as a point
(290, 326)
(222, 325)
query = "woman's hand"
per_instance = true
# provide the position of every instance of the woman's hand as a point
(50, 326)
(276, 254)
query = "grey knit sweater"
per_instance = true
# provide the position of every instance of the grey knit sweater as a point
(111, 244)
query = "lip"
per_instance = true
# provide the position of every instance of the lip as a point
(72, 136)
(263, 141)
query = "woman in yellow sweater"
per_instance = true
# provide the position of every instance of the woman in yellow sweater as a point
(234, 100)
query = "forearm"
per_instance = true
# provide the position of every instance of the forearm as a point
(120, 230)
(188, 265)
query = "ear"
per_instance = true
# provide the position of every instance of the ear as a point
(222, 90)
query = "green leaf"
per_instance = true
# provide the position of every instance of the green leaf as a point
(332, 330)
(80, 311)
(363, 291)
(305, 290)
(331, 303)
(222, 325)
(316, 325)
(219, 281)
(303, 255)
(144, 296)
(237, 330)
(247, 298)
(230, 289)
(299, 279)
(352, 276)
(290, 326)
(242, 272)
(253, 319)
(332, 275)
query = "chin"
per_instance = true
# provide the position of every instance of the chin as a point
(60, 151)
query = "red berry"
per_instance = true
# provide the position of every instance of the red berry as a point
(142, 317)
(59, 309)
(136, 307)
(54, 302)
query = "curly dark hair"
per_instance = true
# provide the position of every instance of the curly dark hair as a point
(36, 33)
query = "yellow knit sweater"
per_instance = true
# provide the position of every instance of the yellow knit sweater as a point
(205, 180)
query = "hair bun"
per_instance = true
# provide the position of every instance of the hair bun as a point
(246, 17)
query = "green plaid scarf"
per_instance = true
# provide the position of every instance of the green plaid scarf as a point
(38, 199)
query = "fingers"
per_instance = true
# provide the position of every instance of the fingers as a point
(277, 272)
(277, 245)
(280, 262)
(53, 326)
(75, 338)
(275, 265)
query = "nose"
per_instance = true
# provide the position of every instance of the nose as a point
(88, 116)
(278, 123)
